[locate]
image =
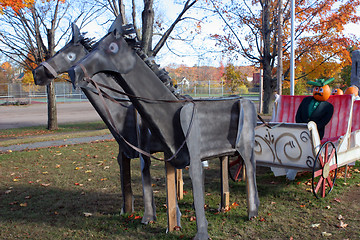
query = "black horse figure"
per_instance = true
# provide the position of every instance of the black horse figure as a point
(189, 131)
(123, 120)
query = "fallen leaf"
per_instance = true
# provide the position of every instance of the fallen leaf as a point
(45, 184)
(337, 200)
(57, 165)
(88, 171)
(340, 217)
(177, 228)
(262, 219)
(192, 218)
(8, 191)
(9, 151)
(16, 180)
(302, 205)
(342, 225)
(327, 207)
(86, 214)
(272, 203)
(106, 167)
(325, 234)
(137, 217)
(23, 204)
(45, 173)
(315, 225)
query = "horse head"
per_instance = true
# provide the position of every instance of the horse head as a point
(112, 54)
(66, 57)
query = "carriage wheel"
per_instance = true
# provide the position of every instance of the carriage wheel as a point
(323, 180)
(236, 169)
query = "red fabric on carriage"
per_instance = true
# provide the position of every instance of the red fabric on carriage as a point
(339, 122)
(355, 125)
(287, 108)
(337, 126)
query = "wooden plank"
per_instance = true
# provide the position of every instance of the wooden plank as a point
(171, 196)
(179, 184)
(225, 194)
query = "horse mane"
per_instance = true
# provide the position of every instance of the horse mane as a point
(88, 43)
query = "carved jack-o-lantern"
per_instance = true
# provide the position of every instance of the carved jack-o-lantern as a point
(321, 91)
(352, 90)
(337, 91)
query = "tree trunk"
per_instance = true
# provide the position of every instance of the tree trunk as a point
(51, 104)
(269, 82)
(147, 27)
(52, 113)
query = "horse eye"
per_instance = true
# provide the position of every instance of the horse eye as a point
(71, 56)
(113, 47)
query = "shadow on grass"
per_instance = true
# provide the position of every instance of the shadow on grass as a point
(66, 211)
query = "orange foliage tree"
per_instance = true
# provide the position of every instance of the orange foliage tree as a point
(251, 31)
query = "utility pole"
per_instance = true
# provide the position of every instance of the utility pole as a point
(280, 55)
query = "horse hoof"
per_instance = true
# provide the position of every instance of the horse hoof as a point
(148, 219)
(201, 236)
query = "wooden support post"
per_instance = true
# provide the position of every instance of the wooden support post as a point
(243, 171)
(171, 196)
(225, 195)
(179, 184)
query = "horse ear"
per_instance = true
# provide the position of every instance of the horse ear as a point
(117, 25)
(75, 33)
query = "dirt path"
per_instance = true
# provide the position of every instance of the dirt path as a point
(36, 114)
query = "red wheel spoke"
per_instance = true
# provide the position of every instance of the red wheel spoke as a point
(318, 173)
(321, 160)
(328, 179)
(233, 163)
(323, 188)
(319, 184)
(237, 173)
(332, 154)
(326, 153)
(333, 167)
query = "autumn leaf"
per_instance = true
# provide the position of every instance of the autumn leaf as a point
(45, 184)
(315, 225)
(342, 225)
(23, 204)
(326, 234)
(87, 214)
(8, 191)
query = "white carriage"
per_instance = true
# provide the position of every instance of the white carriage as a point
(288, 147)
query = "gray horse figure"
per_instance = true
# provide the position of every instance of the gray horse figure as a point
(189, 131)
(123, 120)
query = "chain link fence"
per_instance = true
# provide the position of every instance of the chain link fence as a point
(17, 93)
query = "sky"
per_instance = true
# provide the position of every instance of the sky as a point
(189, 54)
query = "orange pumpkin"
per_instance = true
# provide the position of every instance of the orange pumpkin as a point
(352, 90)
(321, 93)
(337, 91)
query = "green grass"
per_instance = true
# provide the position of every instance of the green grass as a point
(41, 130)
(44, 194)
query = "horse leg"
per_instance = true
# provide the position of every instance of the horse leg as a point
(125, 178)
(196, 174)
(196, 168)
(245, 146)
(148, 197)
